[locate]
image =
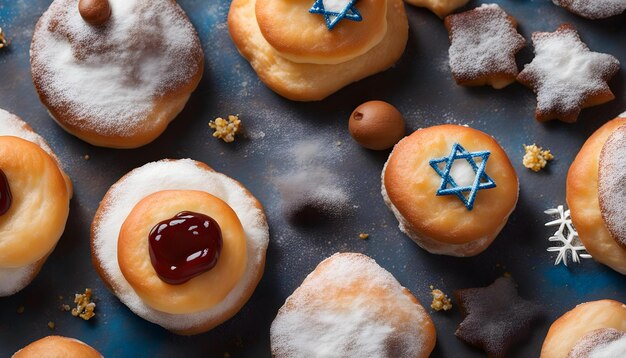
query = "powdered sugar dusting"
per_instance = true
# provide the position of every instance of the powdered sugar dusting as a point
(177, 175)
(612, 184)
(13, 280)
(593, 9)
(107, 78)
(613, 349)
(600, 343)
(350, 307)
(484, 42)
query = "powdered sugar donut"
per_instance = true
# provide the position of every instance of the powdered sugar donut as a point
(16, 134)
(601, 343)
(612, 184)
(351, 307)
(118, 84)
(584, 200)
(123, 255)
(593, 9)
(57, 346)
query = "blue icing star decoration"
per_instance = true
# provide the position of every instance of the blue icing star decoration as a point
(336, 12)
(450, 187)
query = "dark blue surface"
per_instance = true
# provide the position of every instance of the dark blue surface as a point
(420, 85)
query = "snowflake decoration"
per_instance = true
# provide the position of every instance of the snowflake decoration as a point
(567, 235)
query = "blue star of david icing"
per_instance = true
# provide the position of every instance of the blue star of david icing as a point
(333, 17)
(449, 186)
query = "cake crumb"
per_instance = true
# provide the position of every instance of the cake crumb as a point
(66, 308)
(51, 325)
(20, 309)
(535, 157)
(226, 129)
(440, 300)
(4, 42)
(363, 236)
(86, 157)
(84, 307)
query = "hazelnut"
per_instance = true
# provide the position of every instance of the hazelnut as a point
(94, 12)
(376, 125)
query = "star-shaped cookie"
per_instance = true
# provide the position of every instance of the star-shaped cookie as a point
(566, 76)
(495, 316)
(484, 42)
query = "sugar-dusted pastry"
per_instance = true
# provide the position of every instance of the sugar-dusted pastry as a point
(57, 347)
(596, 194)
(591, 330)
(351, 307)
(440, 7)
(31, 182)
(335, 42)
(116, 72)
(566, 76)
(452, 189)
(593, 9)
(484, 42)
(376, 125)
(496, 317)
(180, 244)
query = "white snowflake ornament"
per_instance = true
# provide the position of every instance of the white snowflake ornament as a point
(567, 235)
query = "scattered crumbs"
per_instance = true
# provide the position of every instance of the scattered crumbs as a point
(506, 274)
(20, 309)
(4, 42)
(51, 325)
(226, 129)
(60, 298)
(536, 158)
(339, 143)
(66, 308)
(363, 236)
(84, 307)
(86, 157)
(440, 300)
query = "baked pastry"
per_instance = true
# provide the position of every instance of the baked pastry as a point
(594, 329)
(452, 189)
(309, 62)
(593, 9)
(440, 7)
(57, 346)
(595, 194)
(351, 307)
(31, 181)
(376, 125)
(484, 42)
(116, 84)
(180, 244)
(566, 76)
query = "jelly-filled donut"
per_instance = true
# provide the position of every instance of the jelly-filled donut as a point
(181, 245)
(452, 189)
(596, 193)
(34, 203)
(115, 73)
(306, 50)
(57, 346)
(351, 307)
(594, 329)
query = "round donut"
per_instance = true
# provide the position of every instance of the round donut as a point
(57, 346)
(583, 200)
(177, 175)
(310, 41)
(312, 81)
(443, 224)
(574, 326)
(118, 84)
(349, 306)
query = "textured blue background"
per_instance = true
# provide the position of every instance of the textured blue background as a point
(420, 85)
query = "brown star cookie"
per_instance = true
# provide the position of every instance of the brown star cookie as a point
(593, 9)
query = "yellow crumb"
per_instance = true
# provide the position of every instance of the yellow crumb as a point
(363, 236)
(226, 129)
(84, 307)
(51, 325)
(440, 300)
(4, 42)
(535, 157)
(66, 308)
(20, 309)
(86, 157)
(506, 274)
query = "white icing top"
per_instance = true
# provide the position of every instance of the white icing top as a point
(463, 173)
(349, 307)
(593, 9)
(108, 77)
(612, 349)
(181, 174)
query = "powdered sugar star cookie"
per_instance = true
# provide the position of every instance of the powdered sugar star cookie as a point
(566, 76)
(484, 42)
(593, 9)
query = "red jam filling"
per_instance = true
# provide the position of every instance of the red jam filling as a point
(5, 194)
(184, 246)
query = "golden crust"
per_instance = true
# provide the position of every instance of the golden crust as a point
(210, 323)
(40, 200)
(302, 37)
(584, 205)
(312, 82)
(584, 318)
(440, 7)
(201, 292)
(411, 185)
(57, 346)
